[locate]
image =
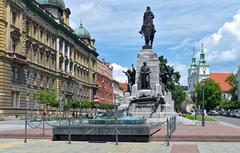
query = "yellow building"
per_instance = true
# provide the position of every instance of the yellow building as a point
(40, 51)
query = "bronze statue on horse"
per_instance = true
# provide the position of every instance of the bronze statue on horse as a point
(148, 28)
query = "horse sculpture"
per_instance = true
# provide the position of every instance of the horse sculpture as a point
(148, 28)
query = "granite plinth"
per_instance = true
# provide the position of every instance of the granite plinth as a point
(150, 57)
(105, 132)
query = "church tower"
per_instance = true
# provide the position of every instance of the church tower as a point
(192, 74)
(203, 67)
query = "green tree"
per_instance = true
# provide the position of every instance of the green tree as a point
(179, 96)
(168, 75)
(48, 98)
(170, 79)
(212, 94)
(232, 81)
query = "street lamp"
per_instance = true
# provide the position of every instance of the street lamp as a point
(203, 94)
(80, 113)
(196, 96)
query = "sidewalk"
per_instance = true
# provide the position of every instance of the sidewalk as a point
(47, 146)
(185, 131)
(213, 131)
(31, 134)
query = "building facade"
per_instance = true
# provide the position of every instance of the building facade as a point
(40, 51)
(198, 72)
(118, 97)
(104, 82)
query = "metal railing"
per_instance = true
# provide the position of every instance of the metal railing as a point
(44, 122)
(171, 127)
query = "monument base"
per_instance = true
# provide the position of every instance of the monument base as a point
(146, 47)
(106, 133)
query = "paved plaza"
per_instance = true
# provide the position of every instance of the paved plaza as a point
(215, 137)
(47, 146)
(213, 131)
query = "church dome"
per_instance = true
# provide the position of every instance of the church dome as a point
(58, 3)
(82, 33)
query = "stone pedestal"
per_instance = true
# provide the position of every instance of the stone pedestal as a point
(149, 108)
(150, 57)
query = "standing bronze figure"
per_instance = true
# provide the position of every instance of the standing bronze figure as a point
(148, 28)
(131, 75)
(145, 76)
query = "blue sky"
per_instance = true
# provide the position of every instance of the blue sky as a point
(180, 25)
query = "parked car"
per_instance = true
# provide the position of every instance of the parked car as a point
(232, 113)
(237, 114)
(213, 113)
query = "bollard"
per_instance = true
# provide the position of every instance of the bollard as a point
(69, 130)
(25, 134)
(59, 121)
(116, 133)
(175, 123)
(170, 127)
(43, 134)
(168, 137)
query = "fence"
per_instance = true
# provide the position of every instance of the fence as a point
(43, 122)
(47, 121)
(171, 127)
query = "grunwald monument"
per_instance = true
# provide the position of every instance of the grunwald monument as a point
(146, 95)
(147, 104)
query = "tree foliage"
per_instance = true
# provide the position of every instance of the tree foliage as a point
(168, 76)
(170, 80)
(232, 81)
(179, 96)
(48, 98)
(212, 94)
(229, 105)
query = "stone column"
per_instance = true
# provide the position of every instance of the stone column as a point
(57, 57)
(63, 48)
(63, 53)
(68, 56)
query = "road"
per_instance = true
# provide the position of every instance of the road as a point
(229, 120)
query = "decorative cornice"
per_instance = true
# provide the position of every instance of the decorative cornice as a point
(60, 27)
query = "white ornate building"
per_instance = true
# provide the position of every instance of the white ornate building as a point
(197, 72)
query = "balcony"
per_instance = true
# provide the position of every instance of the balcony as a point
(17, 57)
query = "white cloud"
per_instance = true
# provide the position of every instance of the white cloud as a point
(183, 69)
(223, 46)
(118, 75)
(183, 44)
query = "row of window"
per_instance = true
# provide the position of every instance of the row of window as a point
(42, 57)
(81, 92)
(39, 80)
(42, 35)
(77, 56)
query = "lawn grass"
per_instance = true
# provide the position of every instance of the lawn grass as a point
(199, 117)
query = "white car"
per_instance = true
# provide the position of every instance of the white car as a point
(237, 113)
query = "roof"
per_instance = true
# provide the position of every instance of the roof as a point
(220, 79)
(58, 3)
(124, 86)
(82, 32)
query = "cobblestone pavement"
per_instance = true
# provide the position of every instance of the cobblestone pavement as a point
(47, 146)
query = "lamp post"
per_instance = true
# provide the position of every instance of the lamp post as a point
(196, 96)
(203, 98)
(80, 113)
